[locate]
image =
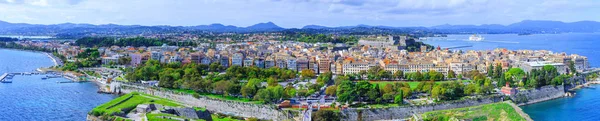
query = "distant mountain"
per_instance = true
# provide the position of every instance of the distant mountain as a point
(314, 27)
(264, 26)
(534, 26)
(79, 30)
(215, 26)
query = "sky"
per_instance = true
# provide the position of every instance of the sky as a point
(296, 13)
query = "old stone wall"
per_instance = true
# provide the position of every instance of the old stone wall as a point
(538, 95)
(361, 114)
(215, 105)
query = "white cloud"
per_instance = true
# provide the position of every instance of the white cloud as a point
(37, 2)
(295, 13)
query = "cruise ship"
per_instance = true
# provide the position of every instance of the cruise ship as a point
(475, 37)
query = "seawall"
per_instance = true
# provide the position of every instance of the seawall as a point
(403, 112)
(215, 105)
(93, 118)
(538, 95)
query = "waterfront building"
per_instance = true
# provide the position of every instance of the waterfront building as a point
(324, 64)
(175, 58)
(352, 66)
(302, 63)
(237, 59)
(136, 59)
(156, 55)
(528, 66)
(269, 62)
(259, 62)
(248, 62)
(206, 60)
(224, 61)
(195, 58)
(110, 59)
(280, 63)
(292, 64)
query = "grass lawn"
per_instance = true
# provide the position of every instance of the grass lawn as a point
(157, 117)
(130, 103)
(217, 118)
(412, 84)
(121, 119)
(218, 96)
(495, 112)
(383, 105)
(121, 79)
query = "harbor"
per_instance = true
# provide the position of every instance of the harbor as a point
(6, 77)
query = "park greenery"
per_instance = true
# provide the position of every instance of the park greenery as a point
(259, 84)
(236, 81)
(90, 57)
(501, 111)
(128, 102)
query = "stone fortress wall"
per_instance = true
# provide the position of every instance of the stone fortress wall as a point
(215, 105)
(403, 112)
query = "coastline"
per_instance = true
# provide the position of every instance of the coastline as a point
(587, 84)
(55, 60)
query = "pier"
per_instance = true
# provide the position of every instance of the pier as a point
(4, 76)
(457, 47)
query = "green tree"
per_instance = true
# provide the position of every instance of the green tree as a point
(451, 74)
(124, 60)
(490, 71)
(373, 93)
(326, 115)
(307, 74)
(399, 99)
(341, 78)
(345, 92)
(399, 75)
(498, 71)
(362, 87)
(331, 90)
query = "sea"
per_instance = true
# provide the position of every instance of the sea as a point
(584, 106)
(29, 98)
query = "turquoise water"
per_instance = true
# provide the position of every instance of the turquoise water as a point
(585, 106)
(582, 107)
(29, 98)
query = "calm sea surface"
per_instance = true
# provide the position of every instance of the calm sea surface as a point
(585, 106)
(29, 98)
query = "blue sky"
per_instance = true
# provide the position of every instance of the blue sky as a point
(296, 13)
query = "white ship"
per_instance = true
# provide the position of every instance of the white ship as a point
(475, 37)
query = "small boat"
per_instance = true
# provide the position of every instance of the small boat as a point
(44, 78)
(7, 81)
(475, 37)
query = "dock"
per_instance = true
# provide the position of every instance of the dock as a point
(3, 76)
